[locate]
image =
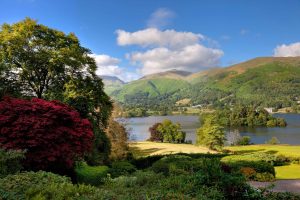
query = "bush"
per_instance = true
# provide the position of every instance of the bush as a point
(273, 141)
(120, 168)
(15, 186)
(264, 177)
(92, 175)
(44, 185)
(245, 140)
(258, 166)
(10, 162)
(248, 172)
(52, 133)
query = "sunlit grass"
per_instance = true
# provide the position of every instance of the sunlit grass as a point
(291, 171)
(286, 150)
(155, 148)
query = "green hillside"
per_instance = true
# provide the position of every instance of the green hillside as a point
(150, 88)
(270, 81)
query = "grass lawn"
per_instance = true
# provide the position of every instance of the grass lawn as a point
(286, 150)
(291, 171)
(140, 149)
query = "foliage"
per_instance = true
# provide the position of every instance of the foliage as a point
(15, 186)
(39, 58)
(44, 185)
(248, 172)
(211, 134)
(118, 137)
(273, 141)
(120, 168)
(155, 135)
(246, 116)
(10, 161)
(245, 140)
(53, 134)
(171, 132)
(264, 177)
(92, 175)
(36, 60)
(258, 166)
(208, 182)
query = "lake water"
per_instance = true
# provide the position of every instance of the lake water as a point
(139, 126)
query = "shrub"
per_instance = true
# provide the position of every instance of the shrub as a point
(264, 177)
(10, 162)
(258, 166)
(248, 172)
(44, 185)
(273, 141)
(52, 133)
(120, 168)
(15, 186)
(92, 175)
(245, 140)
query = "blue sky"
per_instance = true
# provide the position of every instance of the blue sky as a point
(132, 38)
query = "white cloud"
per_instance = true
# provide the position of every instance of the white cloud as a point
(170, 49)
(290, 50)
(152, 37)
(190, 58)
(107, 65)
(160, 18)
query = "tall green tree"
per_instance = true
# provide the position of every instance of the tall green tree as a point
(171, 132)
(211, 134)
(37, 61)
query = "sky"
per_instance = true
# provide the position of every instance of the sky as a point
(133, 38)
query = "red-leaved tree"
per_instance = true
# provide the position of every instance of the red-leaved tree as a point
(53, 134)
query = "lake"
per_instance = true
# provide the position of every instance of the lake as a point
(138, 128)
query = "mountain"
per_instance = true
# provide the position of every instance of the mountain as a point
(265, 81)
(172, 74)
(111, 83)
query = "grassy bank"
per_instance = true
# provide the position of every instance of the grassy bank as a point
(140, 149)
(285, 150)
(290, 171)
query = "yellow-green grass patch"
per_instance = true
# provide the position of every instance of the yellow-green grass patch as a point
(285, 150)
(291, 171)
(140, 149)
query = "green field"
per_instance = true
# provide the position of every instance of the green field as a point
(285, 150)
(291, 171)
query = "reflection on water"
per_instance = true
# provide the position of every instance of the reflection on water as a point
(289, 135)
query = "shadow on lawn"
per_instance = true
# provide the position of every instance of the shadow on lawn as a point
(138, 152)
(240, 152)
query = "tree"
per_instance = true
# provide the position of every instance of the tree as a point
(118, 136)
(233, 137)
(273, 141)
(37, 61)
(53, 134)
(155, 135)
(211, 134)
(171, 132)
(40, 58)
